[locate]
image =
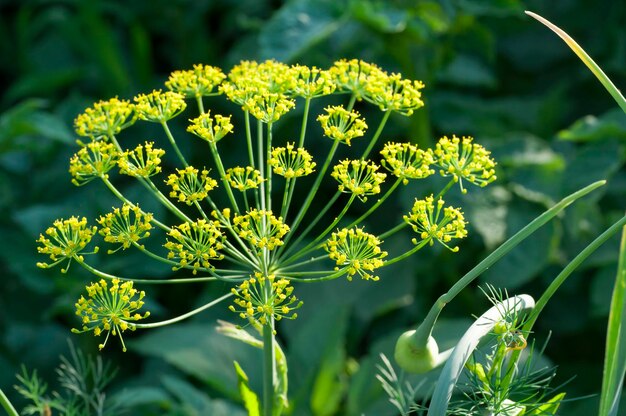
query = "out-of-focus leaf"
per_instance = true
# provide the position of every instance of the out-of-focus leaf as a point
(200, 351)
(297, 26)
(468, 71)
(196, 401)
(601, 289)
(42, 83)
(526, 260)
(611, 124)
(313, 346)
(29, 119)
(491, 8)
(330, 383)
(595, 161)
(487, 211)
(136, 396)
(382, 16)
(248, 396)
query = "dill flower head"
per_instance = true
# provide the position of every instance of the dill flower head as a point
(462, 159)
(392, 93)
(125, 226)
(211, 129)
(291, 162)
(159, 106)
(406, 161)
(142, 162)
(432, 222)
(311, 82)
(92, 161)
(111, 309)
(262, 298)
(358, 177)
(66, 240)
(250, 80)
(190, 185)
(268, 107)
(104, 119)
(261, 228)
(243, 178)
(354, 75)
(197, 82)
(355, 251)
(342, 125)
(195, 244)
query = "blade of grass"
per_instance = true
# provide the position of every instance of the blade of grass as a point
(615, 357)
(595, 69)
(8, 407)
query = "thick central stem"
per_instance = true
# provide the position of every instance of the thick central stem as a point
(269, 367)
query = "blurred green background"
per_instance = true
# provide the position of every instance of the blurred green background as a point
(490, 72)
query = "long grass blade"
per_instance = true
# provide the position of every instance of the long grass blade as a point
(615, 357)
(580, 52)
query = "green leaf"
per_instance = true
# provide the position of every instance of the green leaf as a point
(382, 16)
(611, 124)
(200, 351)
(249, 397)
(615, 356)
(297, 26)
(550, 407)
(330, 384)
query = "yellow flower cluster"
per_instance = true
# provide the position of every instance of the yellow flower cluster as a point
(159, 106)
(358, 177)
(104, 119)
(395, 94)
(195, 244)
(142, 162)
(261, 228)
(125, 226)
(354, 75)
(211, 129)
(356, 251)
(311, 82)
(92, 161)
(291, 162)
(269, 107)
(65, 240)
(462, 159)
(197, 82)
(110, 309)
(188, 187)
(434, 222)
(243, 178)
(254, 301)
(406, 161)
(261, 89)
(342, 125)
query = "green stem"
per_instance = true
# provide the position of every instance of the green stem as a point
(6, 403)
(222, 172)
(445, 189)
(557, 282)
(185, 315)
(393, 230)
(312, 224)
(311, 195)
(200, 104)
(377, 134)
(269, 368)
(259, 138)
(408, 253)
(307, 105)
(104, 275)
(169, 135)
(427, 325)
(121, 197)
(312, 245)
(268, 155)
(168, 204)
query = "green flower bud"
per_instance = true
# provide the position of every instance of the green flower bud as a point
(415, 355)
